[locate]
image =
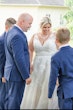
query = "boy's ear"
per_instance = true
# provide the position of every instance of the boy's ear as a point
(6, 27)
(56, 41)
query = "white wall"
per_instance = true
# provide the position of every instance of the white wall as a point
(36, 12)
(6, 12)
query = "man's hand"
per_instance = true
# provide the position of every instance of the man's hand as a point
(28, 81)
(3, 80)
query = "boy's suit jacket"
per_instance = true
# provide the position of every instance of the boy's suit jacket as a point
(17, 67)
(2, 54)
(62, 67)
(2, 64)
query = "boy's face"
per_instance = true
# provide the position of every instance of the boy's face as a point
(57, 43)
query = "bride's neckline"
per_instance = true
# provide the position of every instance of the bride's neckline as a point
(43, 38)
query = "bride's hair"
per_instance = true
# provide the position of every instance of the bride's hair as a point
(45, 20)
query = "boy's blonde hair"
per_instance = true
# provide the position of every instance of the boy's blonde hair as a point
(63, 35)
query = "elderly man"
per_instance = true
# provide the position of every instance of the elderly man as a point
(17, 67)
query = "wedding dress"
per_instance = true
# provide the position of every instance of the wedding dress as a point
(36, 94)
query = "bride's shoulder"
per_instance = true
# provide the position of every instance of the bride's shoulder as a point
(36, 35)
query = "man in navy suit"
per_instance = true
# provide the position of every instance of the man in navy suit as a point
(8, 24)
(17, 66)
(62, 67)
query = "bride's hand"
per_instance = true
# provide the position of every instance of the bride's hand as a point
(57, 82)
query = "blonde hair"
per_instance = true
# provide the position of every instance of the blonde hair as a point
(45, 20)
(63, 35)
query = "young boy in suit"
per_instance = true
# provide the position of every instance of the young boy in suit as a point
(8, 24)
(62, 68)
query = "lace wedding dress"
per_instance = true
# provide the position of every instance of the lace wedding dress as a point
(36, 94)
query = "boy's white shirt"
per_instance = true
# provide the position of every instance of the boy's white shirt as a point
(64, 45)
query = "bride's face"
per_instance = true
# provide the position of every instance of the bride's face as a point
(46, 28)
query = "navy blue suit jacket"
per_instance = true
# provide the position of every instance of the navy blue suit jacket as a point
(17, 66)
(2, 54)
(62, 67)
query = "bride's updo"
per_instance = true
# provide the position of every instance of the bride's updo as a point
(45, 20)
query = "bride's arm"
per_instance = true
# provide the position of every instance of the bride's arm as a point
(31, 51)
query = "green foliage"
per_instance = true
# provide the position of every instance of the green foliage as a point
(69, 16)
(70, 26)
(69, 3)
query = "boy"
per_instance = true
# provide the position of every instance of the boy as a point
(8, 24)
(62, 67)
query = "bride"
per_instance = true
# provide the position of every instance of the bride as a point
(43, 44)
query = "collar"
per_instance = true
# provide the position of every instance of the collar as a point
(63, 46)
(18, 27)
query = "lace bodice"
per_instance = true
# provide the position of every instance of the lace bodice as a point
(47, 48)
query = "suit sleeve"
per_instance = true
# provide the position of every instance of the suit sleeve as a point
(2, 58)
(53, 77)
(20, 56)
